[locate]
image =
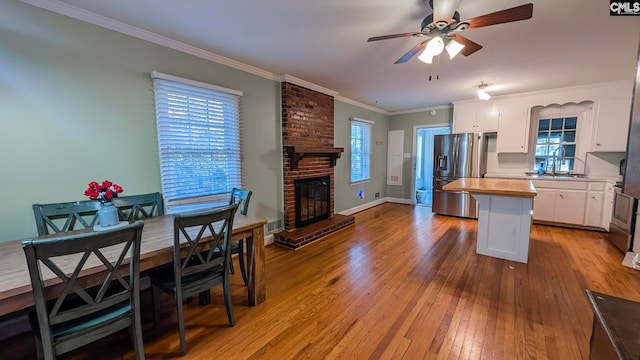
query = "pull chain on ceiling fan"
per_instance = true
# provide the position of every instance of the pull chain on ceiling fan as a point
(442, 29)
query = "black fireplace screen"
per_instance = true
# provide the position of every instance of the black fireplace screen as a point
(313, 200)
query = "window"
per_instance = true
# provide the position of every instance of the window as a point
(553, 133)
(360, 150)
(198, 141)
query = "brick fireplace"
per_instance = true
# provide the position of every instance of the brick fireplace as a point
(309, 152)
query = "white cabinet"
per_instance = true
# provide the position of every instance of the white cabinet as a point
(612, 125)
(594, 209)
(607, 206)
(595, 202)
(513, 126)
(569, 207)
(475, 116)
(544, 204)
(563, 206)
(560, 201)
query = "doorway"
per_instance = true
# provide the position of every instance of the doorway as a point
(423, 169)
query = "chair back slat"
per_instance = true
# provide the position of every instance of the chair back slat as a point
(203, 236)
(63, 217)
(241, 197)
(67, 257)
(139, 207)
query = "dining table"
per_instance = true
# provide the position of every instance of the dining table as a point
(156, 250)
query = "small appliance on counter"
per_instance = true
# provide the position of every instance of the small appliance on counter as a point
(457, 156)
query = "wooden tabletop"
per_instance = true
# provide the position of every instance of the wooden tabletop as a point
(155, 250)
(504, 187)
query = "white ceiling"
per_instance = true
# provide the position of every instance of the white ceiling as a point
(566, 43)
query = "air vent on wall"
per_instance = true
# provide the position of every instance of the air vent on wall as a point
(274, 225)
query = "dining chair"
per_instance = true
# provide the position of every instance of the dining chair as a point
(67, 316)
(199, 261)
(139, 207)
(240, 197)
(62, 217)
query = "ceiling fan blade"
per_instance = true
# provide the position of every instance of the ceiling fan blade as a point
(522, 12)
(384, 37)
(411, 53)
(469, 46)
(443, 10)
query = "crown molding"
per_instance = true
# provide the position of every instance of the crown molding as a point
(111, 24)
(306, 84)
(437, 107)
(362, 105)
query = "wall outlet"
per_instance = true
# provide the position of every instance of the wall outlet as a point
(377, 195)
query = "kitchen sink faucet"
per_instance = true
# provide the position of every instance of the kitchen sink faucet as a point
(555, 156)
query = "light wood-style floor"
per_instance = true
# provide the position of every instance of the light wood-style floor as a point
(406, 284)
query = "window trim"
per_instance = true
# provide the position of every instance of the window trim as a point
(367, 124)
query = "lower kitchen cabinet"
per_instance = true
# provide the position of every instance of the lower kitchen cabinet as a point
(579, 203)
(594, 209)
(563, 206)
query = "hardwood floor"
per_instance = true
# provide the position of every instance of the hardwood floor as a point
(403, 284)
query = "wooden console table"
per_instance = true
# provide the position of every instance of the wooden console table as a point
(616, 327)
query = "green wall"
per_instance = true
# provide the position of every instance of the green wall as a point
(406, 122)
(346, 194)
(76, 105)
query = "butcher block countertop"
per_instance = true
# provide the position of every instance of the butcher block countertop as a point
(502, 187)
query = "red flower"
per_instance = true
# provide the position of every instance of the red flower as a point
(104, 191)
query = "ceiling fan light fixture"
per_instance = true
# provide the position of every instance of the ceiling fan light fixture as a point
(454, 48)
(425, 57)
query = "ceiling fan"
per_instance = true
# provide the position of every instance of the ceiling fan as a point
(444, 26)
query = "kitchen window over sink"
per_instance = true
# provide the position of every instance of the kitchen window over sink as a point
(557, 136)
(555, 128)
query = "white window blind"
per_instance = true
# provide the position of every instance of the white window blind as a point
(198, 139)
(360, 150)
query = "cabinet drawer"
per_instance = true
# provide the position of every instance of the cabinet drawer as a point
(560, 184)
(596, 186)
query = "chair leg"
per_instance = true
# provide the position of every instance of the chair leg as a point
(227, 301)
(155, 302)
(183, 343)
(241, 262)
(204, 298)
(136, 333)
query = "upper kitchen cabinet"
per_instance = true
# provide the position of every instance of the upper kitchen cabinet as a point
(612, 125)
(513, 126)
(475, 116)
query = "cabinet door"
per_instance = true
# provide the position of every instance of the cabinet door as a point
(464, 118)
(513, 127)
(487, 117)
(543, 205)
(569, 207)
(612, 125)
(594, 209)
(607, 206)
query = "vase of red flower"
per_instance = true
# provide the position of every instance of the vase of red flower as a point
(105, 192)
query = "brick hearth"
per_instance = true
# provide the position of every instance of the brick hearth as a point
(303, 236)
(307, 121)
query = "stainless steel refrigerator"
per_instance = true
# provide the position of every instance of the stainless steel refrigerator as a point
(457, 156)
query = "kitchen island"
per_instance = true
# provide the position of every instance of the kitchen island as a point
(505, 207)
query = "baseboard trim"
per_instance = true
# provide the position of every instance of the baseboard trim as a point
(362, 207)
(399, 200)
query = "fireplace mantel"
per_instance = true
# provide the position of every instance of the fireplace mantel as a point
(298, 152)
